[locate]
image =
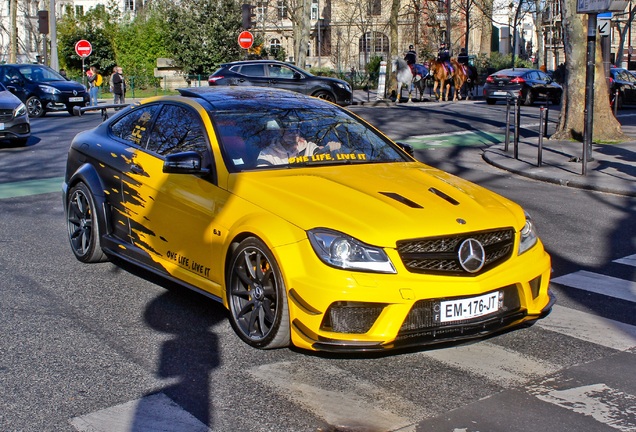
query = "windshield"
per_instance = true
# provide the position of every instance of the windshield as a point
(291, 138)
(40, 74)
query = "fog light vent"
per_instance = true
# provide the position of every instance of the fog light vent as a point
(348, 317)
(535, 286)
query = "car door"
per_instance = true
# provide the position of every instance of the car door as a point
(172, 215)
(250, 74)
(283, 77)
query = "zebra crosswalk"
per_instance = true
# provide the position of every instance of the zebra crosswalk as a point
(485, 381)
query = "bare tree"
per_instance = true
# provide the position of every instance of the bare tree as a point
(623, 30)
(571, 123)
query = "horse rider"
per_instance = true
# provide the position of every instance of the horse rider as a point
(462, 58)
(411, 58)
(443, 56)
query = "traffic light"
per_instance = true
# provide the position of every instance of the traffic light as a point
(43, 21)
(247, 13)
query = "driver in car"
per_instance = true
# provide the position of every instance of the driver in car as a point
(290, 144)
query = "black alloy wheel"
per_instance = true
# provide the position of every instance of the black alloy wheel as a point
(83, 226)
(323, 94)
(257, 297)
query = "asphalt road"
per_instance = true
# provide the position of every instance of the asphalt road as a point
(107, 348)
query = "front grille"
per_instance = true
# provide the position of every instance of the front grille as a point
(350, 317)
(6, 115)
(438, 255)
(422, 320)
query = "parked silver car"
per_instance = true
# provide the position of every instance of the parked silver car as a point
(14, 118)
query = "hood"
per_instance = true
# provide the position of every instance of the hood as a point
(377, 203)
(8, 100)
(65, 86)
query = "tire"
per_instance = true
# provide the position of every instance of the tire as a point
(322, 94)
(256, 296)
(490, 101)
(20, 142)
(35, 107)
(83, 225)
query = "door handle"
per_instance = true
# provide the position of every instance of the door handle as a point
(136, 169)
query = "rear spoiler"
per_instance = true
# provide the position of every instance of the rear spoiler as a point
(79, 111)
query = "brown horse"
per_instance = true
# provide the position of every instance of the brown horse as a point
(460, 76)
(443, 77)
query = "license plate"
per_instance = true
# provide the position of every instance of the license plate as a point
(473, 307)
(76, 99)
(1, 126)
(500, 93)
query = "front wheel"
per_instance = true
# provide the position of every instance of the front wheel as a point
(322, 94)
(256, 296)
(35, 107)
(83, 225)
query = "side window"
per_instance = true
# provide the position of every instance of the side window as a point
(133, 127)
(253, 70)
(280, 71)
(177, 129)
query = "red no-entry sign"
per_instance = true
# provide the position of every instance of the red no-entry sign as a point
(83, 48)
(245, 40)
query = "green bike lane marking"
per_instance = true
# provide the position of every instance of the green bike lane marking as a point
(454, 139)
(31, 187)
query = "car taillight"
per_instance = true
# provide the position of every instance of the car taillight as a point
(490, 79)
(517, 80)
(213, 79)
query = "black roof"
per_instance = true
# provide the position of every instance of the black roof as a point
(224, 96)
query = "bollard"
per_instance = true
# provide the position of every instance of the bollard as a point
(615, 107)
(517, 120)
(545, 123)
(507, 124)
(542, 112)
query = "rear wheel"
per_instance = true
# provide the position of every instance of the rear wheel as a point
(35, 107)
(256, 296)
(83, 225)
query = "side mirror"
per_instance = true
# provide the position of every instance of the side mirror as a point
(297, 75)
(184, 163)
(408, 148)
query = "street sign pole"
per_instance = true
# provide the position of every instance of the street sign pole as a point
(588, 127)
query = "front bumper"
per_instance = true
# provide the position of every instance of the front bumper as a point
(342, 311)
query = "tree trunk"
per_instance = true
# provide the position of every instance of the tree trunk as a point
(571, 122)
(393, 46)
(485, 42)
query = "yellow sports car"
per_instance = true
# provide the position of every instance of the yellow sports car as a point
(309, 225)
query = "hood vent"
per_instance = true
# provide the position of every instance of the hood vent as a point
(441, 194)
(403, 200)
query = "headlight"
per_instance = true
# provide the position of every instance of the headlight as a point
(528, 236)
(342, 251)
(49, 89)
(343, 86)
(20, 110)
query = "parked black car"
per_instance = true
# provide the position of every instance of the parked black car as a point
(529, 85)
(14, 120)
(272, 73)
(42, 89)
(622, 84)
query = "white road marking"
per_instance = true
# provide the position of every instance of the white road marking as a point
(493, 362)
(608, 406)
(360, 406)
(154, 413)
(628, 260)
(600, 284)
(590, 328)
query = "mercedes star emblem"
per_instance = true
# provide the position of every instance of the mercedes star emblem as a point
(471, 255)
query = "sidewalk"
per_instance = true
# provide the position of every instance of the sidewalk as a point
(613, 168)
